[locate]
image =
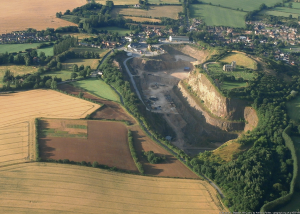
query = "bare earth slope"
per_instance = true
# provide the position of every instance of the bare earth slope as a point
(38, 14)
(58, 188)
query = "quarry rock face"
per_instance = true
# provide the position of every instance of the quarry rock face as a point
(223, 107)
(226, 113)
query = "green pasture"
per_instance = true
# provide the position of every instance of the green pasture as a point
(11, 48)
(218, 16)
(239, 72)
(231, 85)
(293, 108)
(246, 5)
(295, 5)
(282, 11)
(48, 51)
(121, 31)
(98, 87)
(164, 2)
(63, 74)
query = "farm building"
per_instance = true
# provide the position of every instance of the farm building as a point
(230, 67)
(187, 69)
(179, 38)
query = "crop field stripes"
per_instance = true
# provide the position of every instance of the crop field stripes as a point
(14, 144)
(56, 187)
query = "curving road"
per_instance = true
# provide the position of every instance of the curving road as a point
(132, 80)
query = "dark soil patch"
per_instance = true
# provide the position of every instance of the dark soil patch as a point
(106, 143)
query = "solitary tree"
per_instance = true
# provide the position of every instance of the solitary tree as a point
(73, 75)
(54, 84)
(75, 68)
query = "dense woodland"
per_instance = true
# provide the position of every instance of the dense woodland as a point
(264, 172)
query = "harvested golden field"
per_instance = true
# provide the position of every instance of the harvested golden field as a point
(59, 188)
(68, 64)
(154, 11)
(22, 14)
(241, 60)
(141, 19)
(18, 110)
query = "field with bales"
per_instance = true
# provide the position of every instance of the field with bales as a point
(18, 15)
(60, 188)
(154, 11)
(18, 110)
(218, 16)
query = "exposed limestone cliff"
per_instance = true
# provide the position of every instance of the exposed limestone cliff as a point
(226, 108)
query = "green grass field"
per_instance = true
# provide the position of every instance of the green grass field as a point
(98, 88)
(246, 5)
(239, 72)
(295, 5)
(63, 74)
(293, 108)
(218, 16)
(164, 2)
(121, 31)
(10, 48)
(231, 85)
(282, 11)
(48, 51)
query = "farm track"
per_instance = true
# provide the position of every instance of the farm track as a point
(61, 188)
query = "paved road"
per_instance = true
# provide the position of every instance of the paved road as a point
(132, 80)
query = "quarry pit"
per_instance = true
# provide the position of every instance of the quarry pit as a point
(163, 80)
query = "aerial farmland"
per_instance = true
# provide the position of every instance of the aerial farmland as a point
(149, 106)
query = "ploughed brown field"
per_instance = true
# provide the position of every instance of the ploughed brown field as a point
(111, 110)
(106, 143)
(19, 15)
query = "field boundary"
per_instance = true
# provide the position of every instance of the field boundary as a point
(285, 199)
(133, 153)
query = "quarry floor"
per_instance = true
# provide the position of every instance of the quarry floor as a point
(156, 87)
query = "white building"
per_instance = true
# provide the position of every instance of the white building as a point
(179, 38)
